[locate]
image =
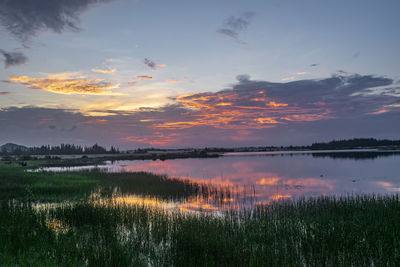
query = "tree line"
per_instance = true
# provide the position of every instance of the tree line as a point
(355, 143)
(63, 149)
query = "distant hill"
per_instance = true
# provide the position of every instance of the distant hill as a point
(12, 148)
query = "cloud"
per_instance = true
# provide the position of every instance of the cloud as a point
(239, 23)
(6, 93)
(230, 33)
(13, 58)
(291, 78)
(242, 78)
(144, 77)
(149, 63)
(250, 112)
(24, 18)
(314, 65)
(233, 25)
(260, 104)
(64, 84)
(131, 83)
(155, 139)
(173, 81)
(107, 71)
(95, 121)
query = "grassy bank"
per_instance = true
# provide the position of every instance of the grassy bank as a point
(349, 231)
(17, 183)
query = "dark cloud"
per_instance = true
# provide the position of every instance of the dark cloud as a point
(230, 33)
(25, 18)
(314, 65)
(149, 63)
(13, 58)
(243, 78)
(233, 25)
(239, 23)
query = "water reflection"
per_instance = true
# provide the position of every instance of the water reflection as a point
(243, 180)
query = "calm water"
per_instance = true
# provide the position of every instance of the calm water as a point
(264, 177)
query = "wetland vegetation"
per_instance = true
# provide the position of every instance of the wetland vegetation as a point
(74, 219)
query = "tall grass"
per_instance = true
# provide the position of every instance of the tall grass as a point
(349, 231)
(15, 183)
(323, 231)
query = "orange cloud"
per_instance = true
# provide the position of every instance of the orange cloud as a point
(266, 120)
(229, 110)
(63, 84)
(108, 71)
(144, 77)
(291, 78)
(307, 117)
(173, 81)
(274, 104)
(381, 111)
(161, 65)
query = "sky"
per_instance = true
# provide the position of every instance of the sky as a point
(169, 73)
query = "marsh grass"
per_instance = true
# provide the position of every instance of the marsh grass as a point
(16, 183)
(323, 231)
(351, 231)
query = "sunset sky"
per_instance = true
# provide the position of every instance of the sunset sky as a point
(165, 73)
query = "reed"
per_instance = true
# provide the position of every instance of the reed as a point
(354, 230)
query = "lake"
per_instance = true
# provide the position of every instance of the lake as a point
(261, 177)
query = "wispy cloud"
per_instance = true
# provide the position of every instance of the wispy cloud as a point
(149, 63)
(95, 121)
(131, 83)
(155, 139)
(64, 84)
(106, 71)
(13, 58)
(173, 81)
(144, 77)
(6, 93)
(234, 25)
(24, 19)
(293, 77)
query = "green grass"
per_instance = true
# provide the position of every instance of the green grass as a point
(324, 231)
(16, 183)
